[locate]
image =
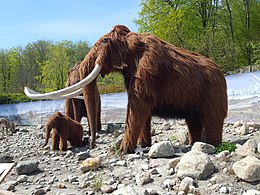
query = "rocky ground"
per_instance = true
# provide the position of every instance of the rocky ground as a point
(168, 167)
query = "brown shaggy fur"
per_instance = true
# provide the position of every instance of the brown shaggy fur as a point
(161, 80)
(76, 109)
(63, 129)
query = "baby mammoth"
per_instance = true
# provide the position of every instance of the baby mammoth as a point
(63, 129)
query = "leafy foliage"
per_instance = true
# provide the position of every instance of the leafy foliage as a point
(225, 31)
(97, 183)
(225, 145)
(41, 65)
(57, 63)
(112, 83)
(44, 66)
(13, 98)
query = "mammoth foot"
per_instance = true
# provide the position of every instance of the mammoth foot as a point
(85, 141)
(127, 147)
(145, 143)
(92, 145)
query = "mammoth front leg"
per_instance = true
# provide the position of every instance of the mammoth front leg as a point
(76, 110)
(137, 117)
(145, 136)
(99, 127)
(69, 108)
(91, 99)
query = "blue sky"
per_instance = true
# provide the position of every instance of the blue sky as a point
(26, 21)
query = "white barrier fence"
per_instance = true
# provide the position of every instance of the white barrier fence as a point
(243, 92)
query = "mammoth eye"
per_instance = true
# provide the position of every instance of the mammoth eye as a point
(105, 40)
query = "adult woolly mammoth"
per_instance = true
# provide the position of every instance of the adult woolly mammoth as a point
(161, 80)
(63, 129)
(75, 108)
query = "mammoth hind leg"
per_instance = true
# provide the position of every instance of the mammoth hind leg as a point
(213, 132)
(55, 141)
(195, 130)
(63, 143)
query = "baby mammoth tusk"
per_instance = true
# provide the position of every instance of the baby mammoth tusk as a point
(66, 91)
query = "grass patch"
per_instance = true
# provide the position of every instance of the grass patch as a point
(111, 89)
(225, 145)
(97, 183)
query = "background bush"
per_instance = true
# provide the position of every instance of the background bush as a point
(14, 98)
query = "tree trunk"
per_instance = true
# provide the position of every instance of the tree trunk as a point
(247, 4)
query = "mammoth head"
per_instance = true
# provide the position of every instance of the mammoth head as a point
(110, 51)
(73, 75)
(107, 55)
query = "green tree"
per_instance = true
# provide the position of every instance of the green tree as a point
(161, 18)
(189, 24)
(247, 29)
(79, 51)
(5, 71)
(17, 73)
(34, 56)
(54, 70)
(225, 31)
(41, 65)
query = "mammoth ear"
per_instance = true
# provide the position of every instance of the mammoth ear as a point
(135, 42)
(120, 30)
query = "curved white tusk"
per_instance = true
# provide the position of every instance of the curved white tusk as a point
(68, 90)
(73, 94)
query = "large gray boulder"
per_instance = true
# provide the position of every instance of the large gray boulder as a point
(27, 167)
(248, 169)
(195, 164)
(162, 150)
